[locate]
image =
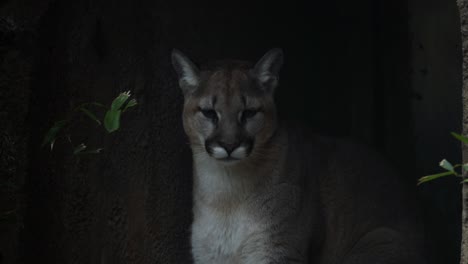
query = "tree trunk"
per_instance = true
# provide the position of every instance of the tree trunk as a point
(463, 6)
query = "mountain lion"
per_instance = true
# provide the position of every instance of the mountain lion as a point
(267, 192)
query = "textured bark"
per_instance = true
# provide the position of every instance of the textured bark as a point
(463, 7)
(18, 20)
(14, 92)
(131, 203)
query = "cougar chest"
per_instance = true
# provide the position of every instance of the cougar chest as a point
(222, 232)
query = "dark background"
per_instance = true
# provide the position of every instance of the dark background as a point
(387, 73)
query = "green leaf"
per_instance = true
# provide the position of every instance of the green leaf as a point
(79, 148)
(446, 165)
(465, 167)
(434, 176)
(112, 120)
(120, 100)
(51, 134)
(130, 103)
(460, 137)
(90, 115)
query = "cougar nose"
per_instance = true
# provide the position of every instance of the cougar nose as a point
(229, 147)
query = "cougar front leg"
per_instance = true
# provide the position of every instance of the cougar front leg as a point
(382, 246)
(276, 240)
(265, 249)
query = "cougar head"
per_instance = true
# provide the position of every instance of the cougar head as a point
(229, 112)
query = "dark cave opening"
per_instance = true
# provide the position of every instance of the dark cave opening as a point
(387, 73)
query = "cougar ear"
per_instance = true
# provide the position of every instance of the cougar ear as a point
(186, 70)
(267, 69)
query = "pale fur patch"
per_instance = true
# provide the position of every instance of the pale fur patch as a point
(223, 220)
(215, 183)
(219, 153)
(239, 153)
(189, 76)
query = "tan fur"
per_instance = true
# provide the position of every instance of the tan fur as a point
(294, 197)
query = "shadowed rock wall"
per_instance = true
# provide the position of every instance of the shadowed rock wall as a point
(347, 72)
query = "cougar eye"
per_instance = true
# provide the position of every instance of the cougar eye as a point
(209, 113)
(248, 113)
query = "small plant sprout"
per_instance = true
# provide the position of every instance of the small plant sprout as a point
(450, 170)
(118, 106)
(111, 121)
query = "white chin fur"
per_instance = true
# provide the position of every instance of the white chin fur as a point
(219, 153)
(239, 153)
